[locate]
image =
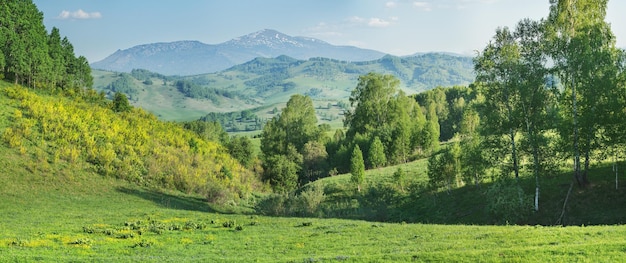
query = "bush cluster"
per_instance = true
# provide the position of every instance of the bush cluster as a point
(133, 145)
(307, 203)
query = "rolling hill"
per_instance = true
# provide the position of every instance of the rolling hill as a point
(265, 82)
(194, 57)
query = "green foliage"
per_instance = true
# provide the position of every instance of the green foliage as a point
(120, 103)
(194, 90)
(357, 167)
(399, 177)
(508, 203)
(233, 121)
(582, 45)
(146, 75)
(315, 164)
(124, 84)
(444, 169)
(380, 109)
(306, 203)
(376, 154)
(311, 198)
(211, 131)
(283, 145)
(473, 162)
(31, 56)
(132, 146)
(281, 172)
(242, 149)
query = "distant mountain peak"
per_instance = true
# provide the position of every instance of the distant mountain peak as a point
(266, 37)
(194, 57)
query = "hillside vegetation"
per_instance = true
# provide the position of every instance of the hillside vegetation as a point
(104, 219)
(131, 145)
(268, 82)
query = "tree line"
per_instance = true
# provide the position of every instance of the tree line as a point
(384, 126)
(548, 91)
(545, 92)
(31, 56)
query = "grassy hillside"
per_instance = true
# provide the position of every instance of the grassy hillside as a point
(56, 131)
(165, 101)
(412, 200)
(76, 215)
(270, 82)
(65, 209)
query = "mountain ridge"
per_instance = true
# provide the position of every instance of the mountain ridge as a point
(191, 57)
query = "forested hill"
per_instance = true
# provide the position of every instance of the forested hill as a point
(31, 56)
(61, 125)
(417, 73)
(265, 82)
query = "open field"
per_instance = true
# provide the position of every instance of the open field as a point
(70, 215)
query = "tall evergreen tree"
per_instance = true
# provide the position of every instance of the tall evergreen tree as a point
(57, 60)
(357, 167)
(376, 154)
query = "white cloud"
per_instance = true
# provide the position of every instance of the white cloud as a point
(391, 4)
(378, 22)
(356, 19)
(323, 29)
(425, 6)
(371, 22)
(79, 14)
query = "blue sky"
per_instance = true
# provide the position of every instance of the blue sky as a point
(98, 28)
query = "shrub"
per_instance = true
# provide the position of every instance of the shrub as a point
(507, 202)
(229, 224)
(216, 194)
(310, 199)
(272, 205)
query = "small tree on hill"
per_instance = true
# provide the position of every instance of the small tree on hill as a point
(120, 103)
(444, 169)
(398, 177)
(376, 155)
(357, 167)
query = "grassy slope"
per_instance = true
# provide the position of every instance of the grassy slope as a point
(69, 213)
(167, 102)
(50, 217)
(383, 200)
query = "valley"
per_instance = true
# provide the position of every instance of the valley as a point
(274, 148)
(267, 83)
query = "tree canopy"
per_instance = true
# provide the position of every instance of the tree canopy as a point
(31, 56)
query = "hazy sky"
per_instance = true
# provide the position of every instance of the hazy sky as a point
(98, 28)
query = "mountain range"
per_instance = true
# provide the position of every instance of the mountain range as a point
(193, 57)
(266, 82)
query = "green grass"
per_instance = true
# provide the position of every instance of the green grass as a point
(75, 215)
(56, 212)
(65, 216)
(166, 102)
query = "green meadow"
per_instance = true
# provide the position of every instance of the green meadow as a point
(70, 215)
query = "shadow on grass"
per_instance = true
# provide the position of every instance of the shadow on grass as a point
(169, 201)
(598, 204)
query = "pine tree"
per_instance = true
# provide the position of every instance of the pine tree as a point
(376, 154)
(357, 168)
